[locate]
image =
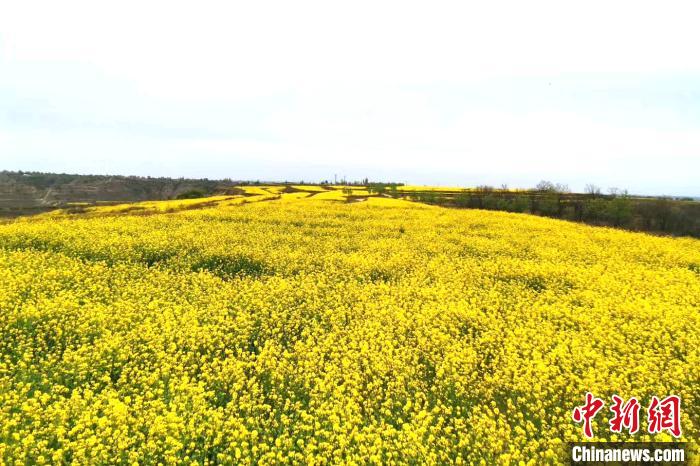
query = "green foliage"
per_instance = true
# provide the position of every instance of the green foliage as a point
(550, 205)
(619, 211)
(520, 204)
(192, 194)
(376, 188)
(428, 197)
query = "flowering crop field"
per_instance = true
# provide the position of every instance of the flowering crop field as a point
(297, 328)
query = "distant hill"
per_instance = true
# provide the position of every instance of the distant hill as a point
(31, 192)
(27, 193)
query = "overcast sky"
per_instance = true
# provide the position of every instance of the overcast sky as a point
(446, 93)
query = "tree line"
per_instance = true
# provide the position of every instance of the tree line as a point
(676, 216)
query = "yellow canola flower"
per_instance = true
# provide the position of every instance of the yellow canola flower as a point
(280, 328)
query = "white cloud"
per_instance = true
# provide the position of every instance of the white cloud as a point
(218, 47)
(426, 91)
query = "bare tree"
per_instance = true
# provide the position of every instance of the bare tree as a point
(545, 186)
(562, 188)
(549, 187)
(592, 189)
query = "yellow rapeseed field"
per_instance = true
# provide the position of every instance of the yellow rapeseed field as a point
(287, 328)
